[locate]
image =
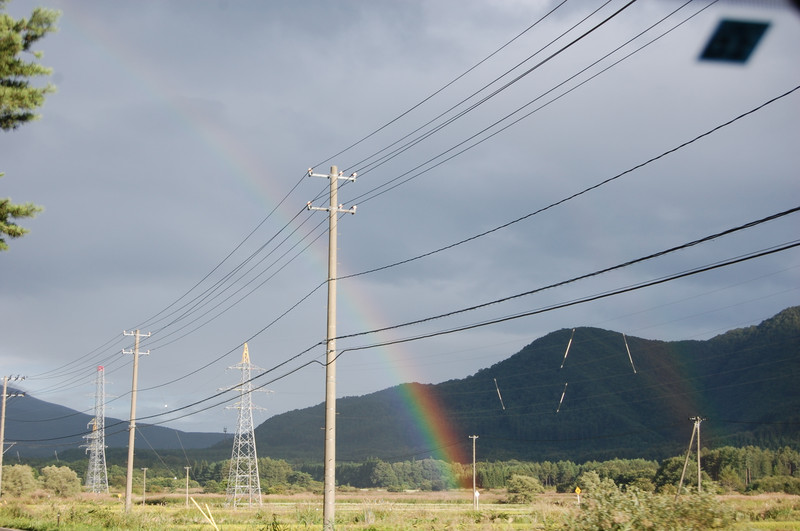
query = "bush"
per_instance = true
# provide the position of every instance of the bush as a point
(729, 480)
(522, 489)
(608, 507)
(213, 487)
(60, 480)
(18, 480)
(787, 484)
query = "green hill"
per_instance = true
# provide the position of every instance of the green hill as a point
(743, 381)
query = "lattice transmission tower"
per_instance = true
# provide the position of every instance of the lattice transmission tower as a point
(244, 485)
(96, 474)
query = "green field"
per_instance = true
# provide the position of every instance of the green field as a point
(368, 510)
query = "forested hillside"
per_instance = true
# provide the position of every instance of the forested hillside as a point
(614, 405)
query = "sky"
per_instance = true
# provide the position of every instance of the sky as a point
(172, 167)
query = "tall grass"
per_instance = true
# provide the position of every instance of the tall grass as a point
(605, 506)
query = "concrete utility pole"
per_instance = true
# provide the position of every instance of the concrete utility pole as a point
(3, 422)
(695, 429)
(187, 485)
(474, 486)
(132, 426)
(329, 484)
(144, 484)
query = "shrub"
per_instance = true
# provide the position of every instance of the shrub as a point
(213, 487)
(18, 480)
(787, 484)
(522, 489)
(610, 508)
(729, 480)
(60, 480)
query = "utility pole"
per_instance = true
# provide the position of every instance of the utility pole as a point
(187, 485)
(144, 484)
(132, 427)
(695, 429)
(474, 487)
(3, 422)
(697, 421)
(329, 483)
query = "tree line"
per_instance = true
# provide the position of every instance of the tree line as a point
(725, 469)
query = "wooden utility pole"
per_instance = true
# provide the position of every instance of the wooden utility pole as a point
(329, 483)
(132, 426)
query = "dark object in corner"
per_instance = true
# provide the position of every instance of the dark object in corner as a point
(734, 41)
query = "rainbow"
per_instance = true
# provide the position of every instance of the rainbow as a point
(434, 429)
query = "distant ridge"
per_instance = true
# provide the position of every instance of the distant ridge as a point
(41, 428)
(744, 381)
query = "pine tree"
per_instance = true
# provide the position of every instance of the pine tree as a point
(19, 99)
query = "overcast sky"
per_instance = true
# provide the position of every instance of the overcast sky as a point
(171, 161)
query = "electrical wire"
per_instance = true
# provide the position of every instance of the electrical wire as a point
(360, 166)
(573, 302)
(582, 300)
(248, 237)
(585, 276)
(469, 109)
(583, 191)
(444, 87)
(537, 290)
(298, 182)
(410, 175)
(146, 322)
(629, 263)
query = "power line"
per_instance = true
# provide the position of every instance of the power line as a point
(530, 292)
(206, 408)
(240, 289)
(223, 260)
(259, 225)
(651, 160)
(627, 289)
(587, 275)
(441, 89)
(583, 191)
(410, 175)
(380, 161)
(371, 194)
(573, 302)
(148, 323)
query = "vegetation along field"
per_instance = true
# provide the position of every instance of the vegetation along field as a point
(742, 488)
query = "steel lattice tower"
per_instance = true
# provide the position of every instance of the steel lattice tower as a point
(244, 485)
(96, 474)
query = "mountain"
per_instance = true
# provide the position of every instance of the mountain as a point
(744, 382)
(40, 428)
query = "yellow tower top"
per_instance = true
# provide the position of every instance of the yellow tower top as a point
(245, 355)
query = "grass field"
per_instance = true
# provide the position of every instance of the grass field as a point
(355, 510)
